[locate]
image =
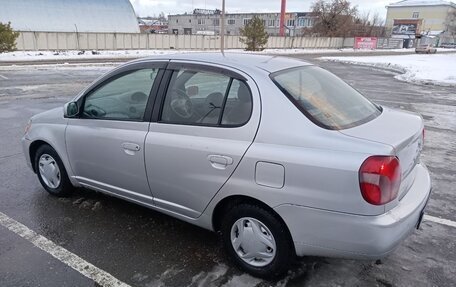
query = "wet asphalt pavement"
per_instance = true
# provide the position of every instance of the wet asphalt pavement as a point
(142, 247)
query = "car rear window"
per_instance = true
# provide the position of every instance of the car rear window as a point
(324, 98)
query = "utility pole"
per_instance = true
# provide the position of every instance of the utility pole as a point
(77, 35)
(282, 19)
(222, 28)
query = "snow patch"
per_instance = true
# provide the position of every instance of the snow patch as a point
(19, 56)
(59, 67)
(210, 278)
(81, 55)
(243, 280)
(160, 281)
(424, 69)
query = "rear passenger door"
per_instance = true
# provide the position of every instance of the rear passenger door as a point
(202, 125)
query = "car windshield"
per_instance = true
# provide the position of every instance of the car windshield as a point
(324, 98)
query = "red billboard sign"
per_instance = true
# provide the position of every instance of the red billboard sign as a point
(365, 43)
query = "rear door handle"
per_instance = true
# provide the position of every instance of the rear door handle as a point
(131, 148)
(220, 161)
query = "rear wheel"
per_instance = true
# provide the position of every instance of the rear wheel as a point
(257, 241)
(51, 172)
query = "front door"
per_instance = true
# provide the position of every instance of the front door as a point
(206, 124)
(105, 144)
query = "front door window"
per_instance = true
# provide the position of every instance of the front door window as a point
(124, 98)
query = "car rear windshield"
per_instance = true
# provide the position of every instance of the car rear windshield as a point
(324, 98)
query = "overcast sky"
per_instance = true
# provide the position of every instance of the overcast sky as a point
(151, 7)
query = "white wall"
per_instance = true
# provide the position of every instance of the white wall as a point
(122, 41)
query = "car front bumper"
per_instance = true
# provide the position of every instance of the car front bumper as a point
(333, 234)
(26, 150)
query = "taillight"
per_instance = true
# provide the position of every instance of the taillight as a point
(379, 179)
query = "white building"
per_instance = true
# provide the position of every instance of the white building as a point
(408, 19)
(70, 15)
(207, 22)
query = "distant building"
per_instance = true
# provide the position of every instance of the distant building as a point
(153, 25)
(410, 19)
(70, 15)
(207, 22)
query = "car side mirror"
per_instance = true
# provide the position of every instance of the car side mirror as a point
(70, 110)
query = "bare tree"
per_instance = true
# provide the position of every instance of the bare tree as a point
(162, 16)
(369, 24)
(377, 20)
(335, 18)
(450, 23)
(364, 19)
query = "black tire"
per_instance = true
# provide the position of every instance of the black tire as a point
(64, 188)
(284, 253)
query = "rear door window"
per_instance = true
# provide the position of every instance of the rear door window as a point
(324, 98)
(238, 106)
(206, 98)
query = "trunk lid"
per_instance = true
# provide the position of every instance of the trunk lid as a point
(401, 130)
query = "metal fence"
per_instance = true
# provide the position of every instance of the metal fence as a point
(125, 41)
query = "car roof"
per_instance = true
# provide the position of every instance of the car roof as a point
(242, 61)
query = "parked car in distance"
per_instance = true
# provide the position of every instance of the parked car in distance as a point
(282, 157)
(425, 49)
(448, 45)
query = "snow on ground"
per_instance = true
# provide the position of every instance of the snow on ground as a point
(438, 69)
(105, 66)
(81, 55)
(125, 54)
(330, 51)
(431, 69)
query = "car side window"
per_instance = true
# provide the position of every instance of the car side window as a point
(238, 105)
(124, 98)
(205, 98)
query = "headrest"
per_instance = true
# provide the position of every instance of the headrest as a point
(243, 92)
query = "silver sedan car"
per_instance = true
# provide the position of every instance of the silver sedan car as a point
(281, 157)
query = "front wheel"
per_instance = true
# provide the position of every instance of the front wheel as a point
(257, 241)
(51, 172)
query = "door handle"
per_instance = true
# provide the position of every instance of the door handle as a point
(220, 161)
(131, 148)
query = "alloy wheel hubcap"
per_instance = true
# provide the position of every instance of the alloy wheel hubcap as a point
(49, 171)
(253, 242)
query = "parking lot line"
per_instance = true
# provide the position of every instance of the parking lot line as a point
(87, 269)
(440, 220)
(3, 77)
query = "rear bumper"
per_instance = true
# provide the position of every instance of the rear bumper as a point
(326, 233)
